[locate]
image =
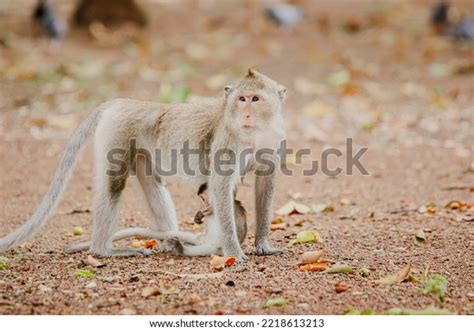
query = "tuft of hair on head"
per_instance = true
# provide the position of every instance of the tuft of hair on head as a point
(251, 73)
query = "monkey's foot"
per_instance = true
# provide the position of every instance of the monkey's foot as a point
(267, 249)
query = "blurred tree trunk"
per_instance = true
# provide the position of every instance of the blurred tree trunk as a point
(109, 12)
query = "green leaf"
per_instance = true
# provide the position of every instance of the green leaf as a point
(436, 285)
(352, 311)
(3, 262)
(367, 312)
(430, 310)
(364, 272)
(277, 302)
(339, 268)
(306, 237)
(84, 273)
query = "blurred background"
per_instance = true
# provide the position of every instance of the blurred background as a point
(370, 67)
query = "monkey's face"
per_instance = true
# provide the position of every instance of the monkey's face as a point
(254, 103)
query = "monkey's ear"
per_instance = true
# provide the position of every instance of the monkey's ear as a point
(282, 92)
(227, 90)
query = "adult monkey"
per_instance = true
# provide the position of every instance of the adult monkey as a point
(248, 115)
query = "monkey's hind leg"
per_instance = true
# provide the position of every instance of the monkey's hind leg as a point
(109, 187)
(158, 197)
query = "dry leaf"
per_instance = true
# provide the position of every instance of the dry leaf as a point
(78, 231)
(149, 291)
(278, 226)
(277, 220)
(344, 202)
(340, 287)
(220, 262)
(458, 205)
(340, 268)
(312, 256)
(150, 243)
(315, 266)
(322, 207)
(90, 260)
(420, 235)
(305, 237)
(292, 207)
(398, 277)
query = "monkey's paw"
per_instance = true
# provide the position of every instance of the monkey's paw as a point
(267, 249)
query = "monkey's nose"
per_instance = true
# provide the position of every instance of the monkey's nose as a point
(247, 116)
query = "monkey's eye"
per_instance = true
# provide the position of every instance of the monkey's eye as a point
(255, 99)
(242, 99)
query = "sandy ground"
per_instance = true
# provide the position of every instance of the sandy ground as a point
(415, 119)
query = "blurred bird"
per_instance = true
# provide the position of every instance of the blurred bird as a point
(284, 15)
(463, 29)
(50, 24)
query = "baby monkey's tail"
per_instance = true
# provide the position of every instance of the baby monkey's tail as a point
(58, 185)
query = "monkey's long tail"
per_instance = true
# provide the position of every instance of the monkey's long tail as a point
(58, 185)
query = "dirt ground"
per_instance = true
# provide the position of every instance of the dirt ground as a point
(371, 72)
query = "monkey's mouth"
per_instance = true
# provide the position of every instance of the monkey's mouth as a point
(247, 128)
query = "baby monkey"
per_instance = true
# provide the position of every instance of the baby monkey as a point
(183, 243)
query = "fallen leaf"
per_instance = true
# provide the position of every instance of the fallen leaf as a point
(78, 231)
(315, 266)
(90, 260)
(398, 277)
(3, 262)
(352, 311)
(276, 302)
(149, 291)
(278, 226)
(429, 208)
(277, 220)
(312, 256)
(341, 287)
(292, 207)
(420, 235)
(344, 202)
(458, 205)
(322, 207)
(436, 285)
(339, 268)
(150, 243)
(364, 272)
(84, 273)
(306, 237)
(220, 262)
(430, 310)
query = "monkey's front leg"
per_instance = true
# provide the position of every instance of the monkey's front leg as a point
(223, 205)
(264, 191)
